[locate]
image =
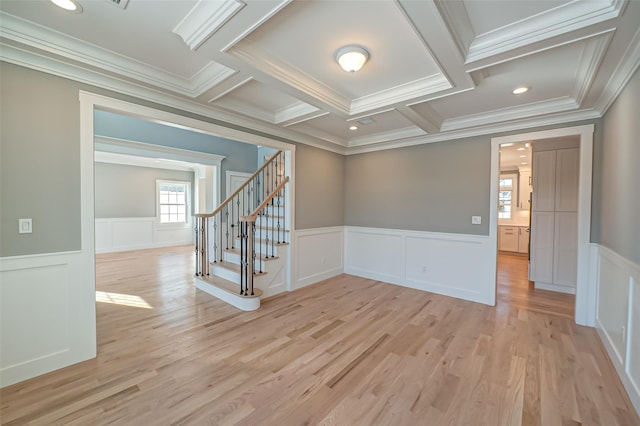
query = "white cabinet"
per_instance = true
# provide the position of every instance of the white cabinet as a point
(508, 238)
(542, 240)
(566, 194)
(554, 219)
(513, 238)
(565, 243)
(544, 181)
(523, 239)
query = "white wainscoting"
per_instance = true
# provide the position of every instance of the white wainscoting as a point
(428, 261)
(319, 255)
(136, 233)
(618, 315)
(47, 314)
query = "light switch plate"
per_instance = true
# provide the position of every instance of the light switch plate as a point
(25, 226)
(476, 220)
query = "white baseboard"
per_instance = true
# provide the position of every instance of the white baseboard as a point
(50, 321)
(618, 316)
(319, 255)
(554, 287)
(138, 233)
(428, 261)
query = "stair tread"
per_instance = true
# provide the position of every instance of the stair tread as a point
(229, 286)
(232, 267)
(262, 257)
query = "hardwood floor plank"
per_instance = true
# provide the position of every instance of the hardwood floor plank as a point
(346, 351)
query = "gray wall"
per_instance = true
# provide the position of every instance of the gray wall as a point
(39, 162)
(130, 191)
(239, 157)
(616, 221)
(320, 189)
(434, 187)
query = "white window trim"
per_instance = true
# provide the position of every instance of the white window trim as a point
(189, 209)
(514, 191)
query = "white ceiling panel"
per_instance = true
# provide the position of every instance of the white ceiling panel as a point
(323, 27)
(489, 15)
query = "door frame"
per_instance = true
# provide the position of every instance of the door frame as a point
(89, 102)
(585, 311)
(227, 185)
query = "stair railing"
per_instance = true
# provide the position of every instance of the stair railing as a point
(221, 230)
(270, 233)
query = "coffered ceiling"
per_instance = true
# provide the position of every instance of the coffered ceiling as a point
(437, 69)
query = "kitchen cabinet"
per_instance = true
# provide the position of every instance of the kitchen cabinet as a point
(523, 239)
(554, 219)
(544, 181)
(513, 239)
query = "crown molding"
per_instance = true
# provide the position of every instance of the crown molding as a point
(493, 129)
(592, 56)
(294, 78)
(54, 43)
(429, 120)
(404, 92)
(552, 106)
(456, 18)
(302, 119)
(208, 77)
(407, 132)
(293, 112)
(559, 20)
(621, 75)
(204, 19)
(230, 89)
(255, 25)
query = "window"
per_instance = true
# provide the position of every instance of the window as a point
(173, 201)
(505, 197)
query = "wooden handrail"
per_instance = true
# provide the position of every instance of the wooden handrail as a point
(254, 216)
(237, 191)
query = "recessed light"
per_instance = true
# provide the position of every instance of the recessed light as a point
(353, 128)
(520, 149)
(68, 5)
(523, 156)
(524, 162)
(520, 90)
(527, 144)
(507, 144)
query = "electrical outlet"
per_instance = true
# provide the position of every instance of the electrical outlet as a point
(25, 226)
(476, 220)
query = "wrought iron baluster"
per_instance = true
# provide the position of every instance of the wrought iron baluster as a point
(197, 221)
(253, 252)
(241, 265)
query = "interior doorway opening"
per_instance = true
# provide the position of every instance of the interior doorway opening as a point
(584, 288)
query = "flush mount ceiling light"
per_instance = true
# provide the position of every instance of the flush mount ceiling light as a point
(68, 5)
(520, 90)
(352, 58)
(353, 127)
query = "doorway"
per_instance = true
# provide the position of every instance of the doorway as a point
(89, 103)
(585, 288)
(515, 285)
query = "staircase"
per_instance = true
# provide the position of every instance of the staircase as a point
(242, 247)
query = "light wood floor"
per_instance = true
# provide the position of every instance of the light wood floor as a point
(347, 351)
(515, 289)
